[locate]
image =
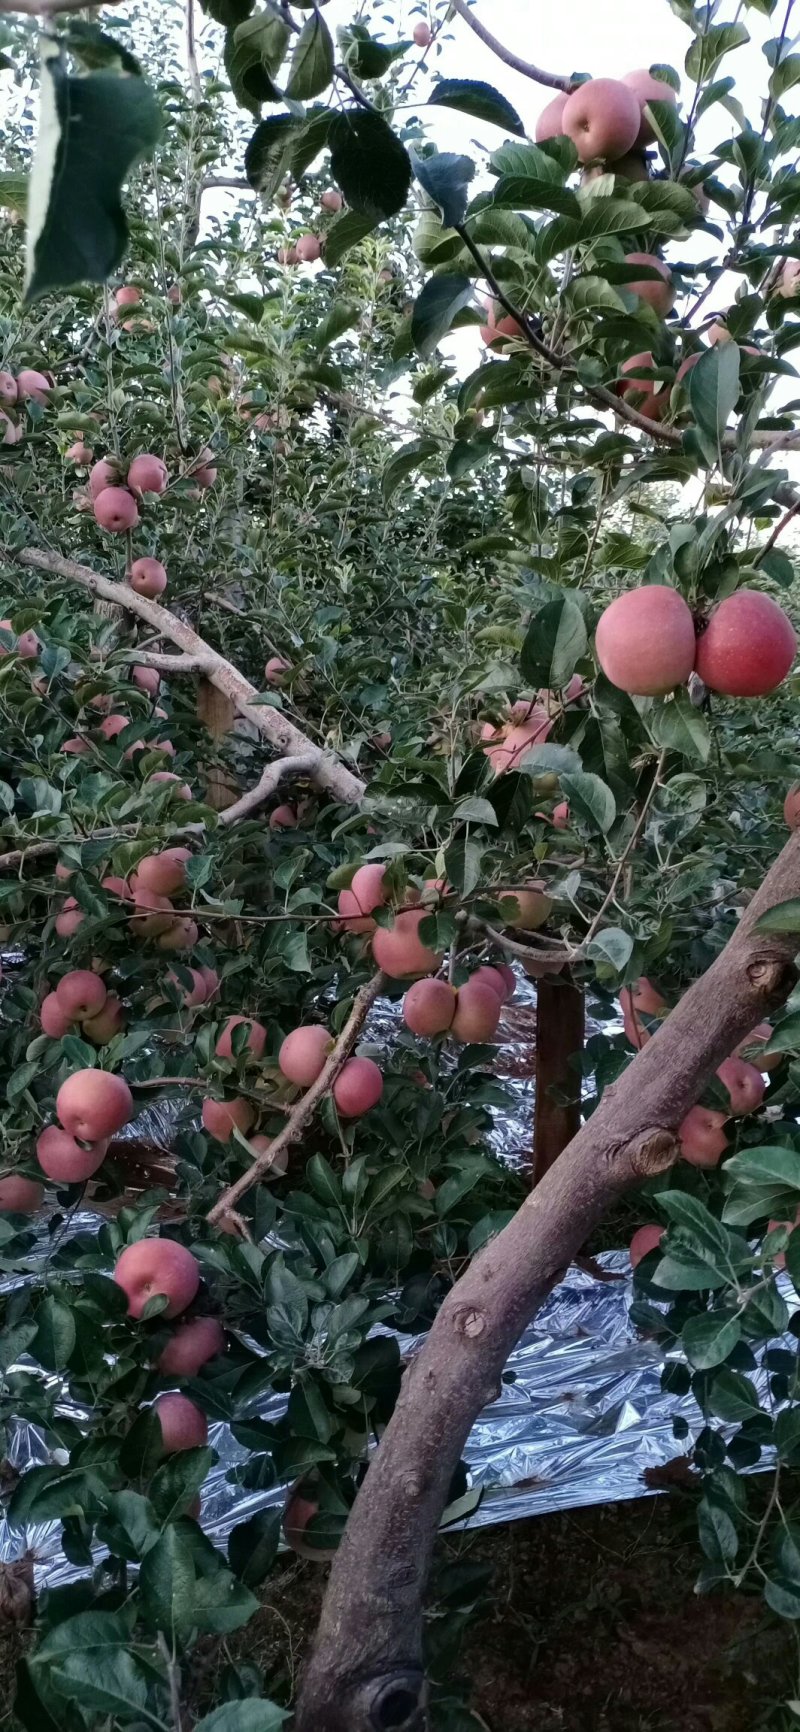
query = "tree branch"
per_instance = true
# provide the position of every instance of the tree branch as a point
(628, 849)
(271, 723)
(308, 1103)
(273, 775)
(552, 79)
(365, 1674)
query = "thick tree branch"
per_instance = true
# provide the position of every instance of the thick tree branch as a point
(308, 1103)
(365, 1674)
(271, 723)
(553, 80)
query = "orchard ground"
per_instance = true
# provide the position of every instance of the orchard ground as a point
(635, 1626)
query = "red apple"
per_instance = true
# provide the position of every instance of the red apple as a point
(152, 1267)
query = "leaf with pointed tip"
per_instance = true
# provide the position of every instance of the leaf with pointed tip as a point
(313, 60)
(714, 388)
(482, 101)
(347, 231)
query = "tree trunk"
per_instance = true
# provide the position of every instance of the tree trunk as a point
(560, 1018)
(218, 713)
(365, 1673)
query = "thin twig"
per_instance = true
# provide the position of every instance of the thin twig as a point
(552, 79)
(778, 531)
(628, 850)
(308, 1103)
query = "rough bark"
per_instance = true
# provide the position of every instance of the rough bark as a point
(270, 723)
(560, 1018)
(365, 1673)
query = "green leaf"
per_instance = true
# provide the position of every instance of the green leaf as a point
(365, 57)
(313, 61)
(14, 193)
(525, 192)
(699, 1225)
(768, 1164)
(346, 232)
(55, 1334)
(717, 1531)
(267, 156)
(248, 1715)
(784, 917)
(342, 317)
(445, 177)
(555, 640)
(91, 132)
(675, 723)
(732, 1397)
(435, 309)
(253, 1547)
(612, 946)
(714, 389)
(94, 48)
(166, 1583)
(482, 101)
(369, 163)
(254, 53)
(590, 799)
(709, 1339)
(407, 459)
(710, 46)
(310, 139)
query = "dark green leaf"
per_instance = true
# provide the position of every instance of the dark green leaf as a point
(555, 640)
(266, 158)
(346, 232)
(55, 1334)
(91, 132)
(708, 1340)
(590, 799)
(363, 56)
(435, 309)
(482, 101)
(404, 462)
(369, 163)
(446, 178)
(253, 1547)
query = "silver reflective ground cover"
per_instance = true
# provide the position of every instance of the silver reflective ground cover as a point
(580, 1416)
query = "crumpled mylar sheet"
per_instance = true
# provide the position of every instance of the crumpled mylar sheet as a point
(580, 1415)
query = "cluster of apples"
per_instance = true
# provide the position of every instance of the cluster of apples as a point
(702, 1132)
(647, 642)
(608, 122)
(155, 881)
(470, 1012)
(29, 385)
(82, 997)
(162, 1268)
(92, 1105)
(307, 249)
(116, 493)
